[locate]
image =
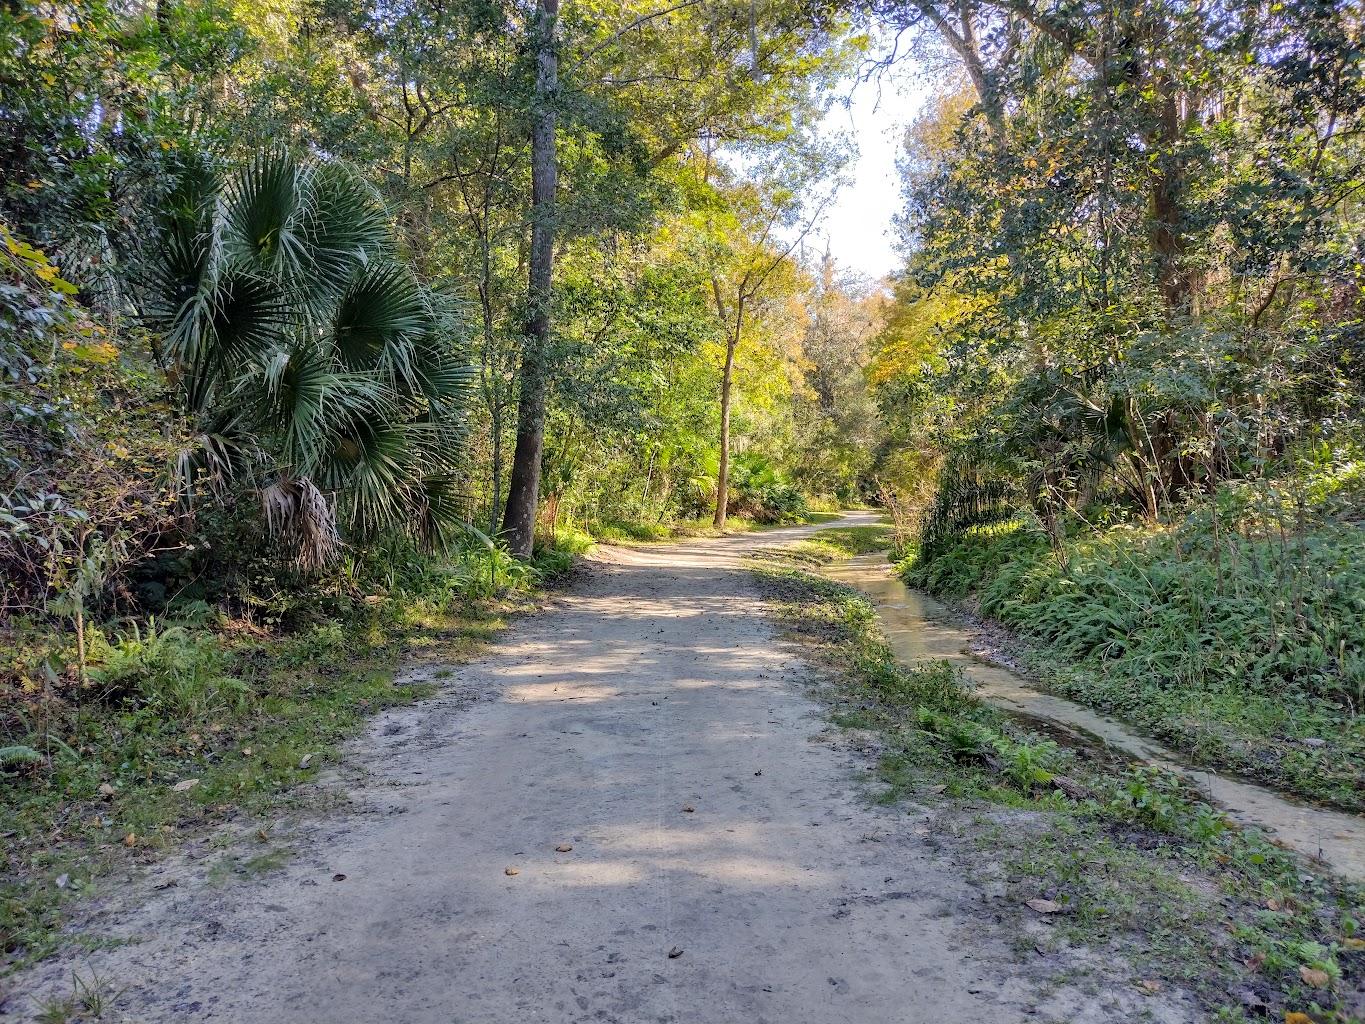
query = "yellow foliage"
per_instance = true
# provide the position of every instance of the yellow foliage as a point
(916, 329)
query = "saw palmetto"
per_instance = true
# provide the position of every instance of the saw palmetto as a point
(311, 357)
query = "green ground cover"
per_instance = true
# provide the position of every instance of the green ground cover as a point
(1245, 653)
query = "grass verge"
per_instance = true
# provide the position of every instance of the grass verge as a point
(1242, 653)
(196, 728)
(1130, 864)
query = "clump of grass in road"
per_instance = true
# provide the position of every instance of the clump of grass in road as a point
(626, 531)
(1135, 862)
(839, 542)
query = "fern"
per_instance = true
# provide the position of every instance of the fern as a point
(17, 755)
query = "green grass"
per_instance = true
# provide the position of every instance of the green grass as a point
(104, 801)
(1141, 868)
(840, 542)
(1235, 653)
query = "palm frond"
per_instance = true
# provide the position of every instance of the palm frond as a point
(345, 225)
(297, 511)
(379, 319)
(313, 406)
(264, 218)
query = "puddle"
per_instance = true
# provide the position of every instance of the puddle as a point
(918, 628)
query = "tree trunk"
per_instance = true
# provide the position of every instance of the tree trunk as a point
(497, 469)
(723, 476)
(1165, 214)
(519, 520)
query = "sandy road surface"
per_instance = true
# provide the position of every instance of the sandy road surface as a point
(653, 686)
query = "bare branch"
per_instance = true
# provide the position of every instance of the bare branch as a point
(641, 20)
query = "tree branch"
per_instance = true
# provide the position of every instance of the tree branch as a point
(641, 20)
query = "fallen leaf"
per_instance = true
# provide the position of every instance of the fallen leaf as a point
(1149, 987)
(107, 789)
(674, 953)
(1316, 978)
(1353, 943)
(1249, 999)
(338, 877)
(1254, 963)
(303, 761)
(1044, 906)
(921, 831)
(262, 835)
(130, 839)
(511, 871)
(1271, 905)
(62, 880)
(246, 751)
(935, 789)
(563, 848)
(184, 784)
(1297, 1018)
(688, 808)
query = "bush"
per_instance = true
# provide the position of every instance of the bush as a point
(1231, 634)
(761, 493)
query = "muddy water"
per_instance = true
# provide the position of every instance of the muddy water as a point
(918, 628)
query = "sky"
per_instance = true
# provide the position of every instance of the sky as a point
(857, 226)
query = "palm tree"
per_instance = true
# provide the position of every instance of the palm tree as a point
(314, 364)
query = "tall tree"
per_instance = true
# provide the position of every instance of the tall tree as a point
(778, 197)
(519, 519)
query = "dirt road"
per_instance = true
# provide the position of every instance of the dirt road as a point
(649, 719)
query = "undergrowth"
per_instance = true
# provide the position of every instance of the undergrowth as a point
(618, 531)
(1244, 652)
(1131, 858)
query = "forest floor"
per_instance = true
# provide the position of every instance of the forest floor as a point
(726, 863)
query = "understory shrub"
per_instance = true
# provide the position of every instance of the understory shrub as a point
(1234, 634)
(176, 671)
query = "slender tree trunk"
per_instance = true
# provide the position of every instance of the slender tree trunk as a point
(519, 520)
(491, 377)
(1165, 212)
(497, 470)
(723, 476)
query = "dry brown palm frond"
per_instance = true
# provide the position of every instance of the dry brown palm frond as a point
(299, 513)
